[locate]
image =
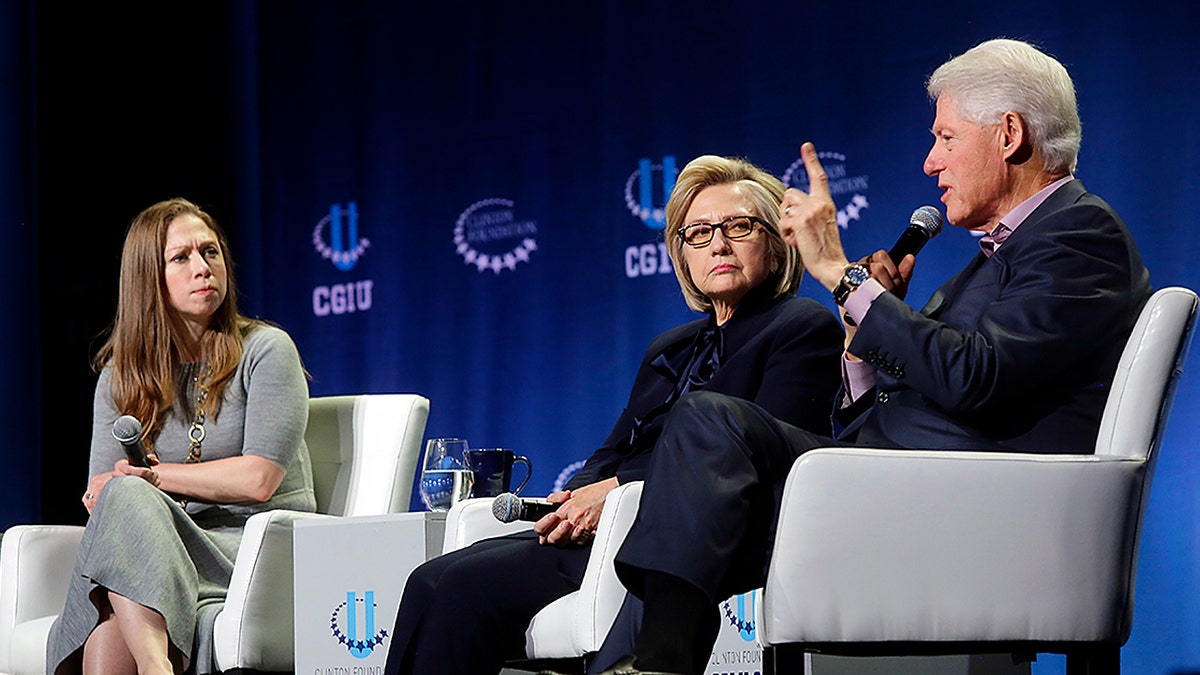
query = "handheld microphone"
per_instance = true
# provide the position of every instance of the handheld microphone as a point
(508, 508)
(128, 432)
(924, 224)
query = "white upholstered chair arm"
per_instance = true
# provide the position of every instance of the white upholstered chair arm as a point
(255, 628)
(886, 545)
(35, 570)
(578, 622)
(471, 520)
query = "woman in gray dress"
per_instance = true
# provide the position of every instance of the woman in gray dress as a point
(223, 404)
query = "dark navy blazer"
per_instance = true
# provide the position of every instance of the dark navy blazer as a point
(781, 353)
(1016, 352)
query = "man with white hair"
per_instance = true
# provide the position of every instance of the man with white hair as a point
(1014, 353)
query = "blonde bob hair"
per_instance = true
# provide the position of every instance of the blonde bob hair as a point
(142, 348)
(765, 193)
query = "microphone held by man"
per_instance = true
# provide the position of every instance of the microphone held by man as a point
(924, 224)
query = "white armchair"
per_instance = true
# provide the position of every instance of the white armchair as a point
(884, 552)
(364, 452)
(35, 566)
(575, 625)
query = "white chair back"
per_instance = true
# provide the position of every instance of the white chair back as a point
(943, 552)
(1139, 402)
(364, 451)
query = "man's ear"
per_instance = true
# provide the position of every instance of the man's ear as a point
(1014, 135)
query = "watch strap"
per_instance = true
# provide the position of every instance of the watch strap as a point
(852, 278)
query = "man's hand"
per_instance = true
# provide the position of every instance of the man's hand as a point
(894, 278)
(578, 514)
(808, 221)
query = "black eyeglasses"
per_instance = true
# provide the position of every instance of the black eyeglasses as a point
(734, 227)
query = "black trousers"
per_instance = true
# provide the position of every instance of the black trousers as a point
(712, 495)
(465, 613)
(707, 516)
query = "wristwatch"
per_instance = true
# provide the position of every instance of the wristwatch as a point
(852, 278)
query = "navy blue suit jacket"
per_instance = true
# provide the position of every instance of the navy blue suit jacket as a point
(781, 353)
(1016, 352)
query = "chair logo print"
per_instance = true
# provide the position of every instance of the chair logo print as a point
(358, 647)
(742, 619)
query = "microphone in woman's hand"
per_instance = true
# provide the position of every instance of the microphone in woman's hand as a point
(508, 507)
(128, 432)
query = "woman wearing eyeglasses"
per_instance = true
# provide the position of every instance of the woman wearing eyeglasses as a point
(466, 612)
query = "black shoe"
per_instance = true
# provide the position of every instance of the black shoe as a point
(625, 666)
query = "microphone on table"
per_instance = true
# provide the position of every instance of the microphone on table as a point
(128, 432)
(508, 508)
(924, 224)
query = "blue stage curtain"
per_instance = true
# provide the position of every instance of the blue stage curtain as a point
(458, 199)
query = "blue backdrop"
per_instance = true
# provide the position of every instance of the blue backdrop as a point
(490, 174)
(463, 199)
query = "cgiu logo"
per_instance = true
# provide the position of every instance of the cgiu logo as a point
(644, 207)
(743, 617)
(343, 250)
(649, 258)
(840, 183)
(343, 231)
(360, 647)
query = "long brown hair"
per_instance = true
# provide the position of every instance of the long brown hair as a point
(143, 347)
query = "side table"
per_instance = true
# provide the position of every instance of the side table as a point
(349, 575)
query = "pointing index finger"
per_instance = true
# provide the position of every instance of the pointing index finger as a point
(818, 180)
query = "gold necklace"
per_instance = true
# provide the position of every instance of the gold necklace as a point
(196, 432)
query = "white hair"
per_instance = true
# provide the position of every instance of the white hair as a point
(1002, 75)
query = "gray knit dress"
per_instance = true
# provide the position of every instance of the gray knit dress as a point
(142, 544)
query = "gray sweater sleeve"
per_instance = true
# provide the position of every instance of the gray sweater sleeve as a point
(276, 396)
(105, 449)
(264, 412)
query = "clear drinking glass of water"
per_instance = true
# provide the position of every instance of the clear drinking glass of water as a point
(445, 478)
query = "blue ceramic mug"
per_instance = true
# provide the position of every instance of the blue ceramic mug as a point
(493, 470)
